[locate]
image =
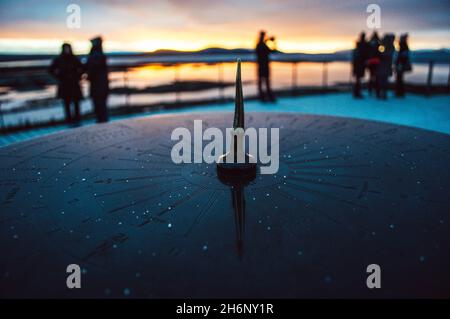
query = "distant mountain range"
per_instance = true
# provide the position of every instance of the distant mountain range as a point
(438, 56)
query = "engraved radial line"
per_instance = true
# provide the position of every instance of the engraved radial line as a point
(308, 205)
(11, 155)
(106, 245)
(364, 190)
(157, 161)
(333, 166)
(125, 169)
(182, 200)
(311, 160)
(109, 180)
(159, 154)
(144, 177)
(83, 156)
(144, 200)
(38, 155)
(302, 154)
(167, 166)
(177, 203)
(326, 195)
(415, 150)
(139, 187)
(169, 147)
(57, 157)
(211, 202)
(141, 160)
(313, 122)
(301, 173)
(311, 181)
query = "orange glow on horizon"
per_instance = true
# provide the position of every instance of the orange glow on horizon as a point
(190, 42)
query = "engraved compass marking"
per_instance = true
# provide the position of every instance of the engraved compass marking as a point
(169, 147)
(302, 173)
(333, 166)
(143, 200)
(57, 157)
(142, 161)
(146, 186)
(299, 208)
(323, 194)
(308, 205)
(174, 205)
(106, 245)
(126, 179)
(311, 181)
(182, 201)
(364, 190)
(304, 153)
(38, 155)
(125, 169)
(319, 159)
(212, 200)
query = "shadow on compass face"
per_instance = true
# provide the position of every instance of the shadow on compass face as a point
(206, 176)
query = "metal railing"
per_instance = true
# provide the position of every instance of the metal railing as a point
(294, 81)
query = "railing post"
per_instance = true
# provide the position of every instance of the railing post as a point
(125, 84)
(448, 80)
(430, 77)
(1, 115)
(177, 79)
(294, 77)
(350, 76)
(220, 66)
(324, 75)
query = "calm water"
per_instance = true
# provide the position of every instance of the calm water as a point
(308, 74)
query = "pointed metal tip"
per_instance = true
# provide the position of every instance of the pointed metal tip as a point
(239, 99)
(238, 73)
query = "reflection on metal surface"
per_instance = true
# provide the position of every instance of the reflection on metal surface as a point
(238, 203)
(238, 198)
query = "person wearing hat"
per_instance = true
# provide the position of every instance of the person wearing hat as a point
(67, 69)
(97, 72)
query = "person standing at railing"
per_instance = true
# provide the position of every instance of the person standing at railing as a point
(97, 71)
(373, 60)
(262, 55)
(359, 64)
(384, 69)
(67, 69)
(402, 65)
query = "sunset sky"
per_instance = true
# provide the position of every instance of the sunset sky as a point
(39, 26)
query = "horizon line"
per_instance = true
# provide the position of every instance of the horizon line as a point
(49, 52)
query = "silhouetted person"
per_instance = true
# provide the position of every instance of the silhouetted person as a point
(402, 65)
(359, 64)
(373, 60)
(97, 71)
(262, 54)
(384, 69)
(67, 69)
